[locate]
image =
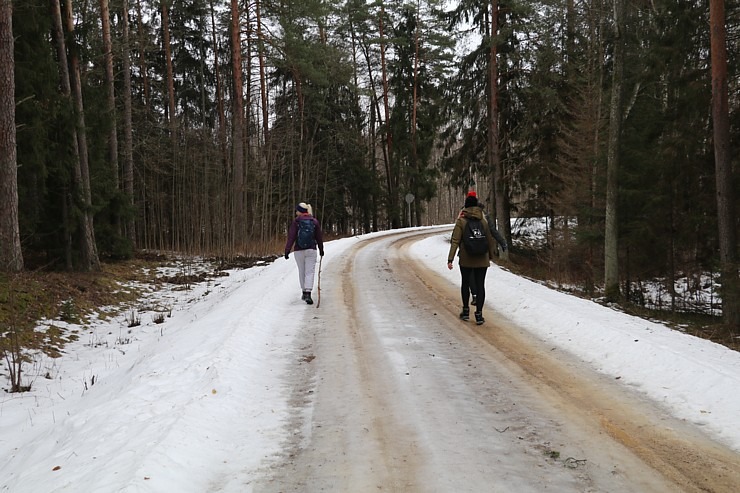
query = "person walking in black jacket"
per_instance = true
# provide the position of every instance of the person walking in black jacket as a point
(473, 267)
(494, 232)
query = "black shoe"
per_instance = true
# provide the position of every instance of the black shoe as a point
(475, 301)
(303, 296)
(479, 318)
(309, 301)
(465, 314)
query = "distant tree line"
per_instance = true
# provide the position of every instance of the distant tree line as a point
(196, 125)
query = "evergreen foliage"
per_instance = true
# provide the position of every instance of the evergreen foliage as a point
(317, 78)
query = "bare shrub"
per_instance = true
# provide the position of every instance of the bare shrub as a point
(133, 319)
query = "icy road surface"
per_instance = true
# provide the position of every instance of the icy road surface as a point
(392, 392)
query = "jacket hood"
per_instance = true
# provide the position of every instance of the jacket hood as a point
(473, 212)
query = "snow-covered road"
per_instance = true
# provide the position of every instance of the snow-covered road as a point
(245, 388)
(397, 394)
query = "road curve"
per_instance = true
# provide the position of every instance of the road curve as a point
(390, 391)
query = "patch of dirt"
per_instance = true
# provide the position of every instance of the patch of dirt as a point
(242, 262)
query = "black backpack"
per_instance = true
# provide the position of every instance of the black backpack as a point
(474, 238)
(306, 238)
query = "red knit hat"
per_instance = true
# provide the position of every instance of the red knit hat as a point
(472, 193)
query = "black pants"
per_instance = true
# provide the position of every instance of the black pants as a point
(473, 279)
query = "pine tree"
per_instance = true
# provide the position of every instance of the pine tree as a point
(72, 81)
(611, 234)
(723, 166)
(11, 257)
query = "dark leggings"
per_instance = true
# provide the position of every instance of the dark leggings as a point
(475, 278)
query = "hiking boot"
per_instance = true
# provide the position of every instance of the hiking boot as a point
(465, 314)
(309, 301)
(479, 318)
(303, 296)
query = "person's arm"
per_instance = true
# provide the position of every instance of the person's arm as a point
(500, 239)
(292, 233)
(454, 242)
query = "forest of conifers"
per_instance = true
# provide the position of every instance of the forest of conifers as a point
(197, 125)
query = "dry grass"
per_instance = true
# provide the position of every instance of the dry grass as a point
(28, 297)
(533, 266)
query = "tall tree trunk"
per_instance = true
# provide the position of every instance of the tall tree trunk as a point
(414, 206)
(171, 111)
(110, 83)
(595, 66)
(265, 157)
(723, 166)
(498, 187)
(373, 137)
(393, 200)
(237, 127)
(89, 250)
(611, 233)
(255, 194)
(145, 214)
(68, 200)
(263, 77)
(570, 37)
(209, 227)
(219, 90)
(143, 45)
(128, 146)
(302, 171)
(11, 257)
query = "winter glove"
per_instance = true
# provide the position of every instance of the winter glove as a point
(286, 255)
(321, 252)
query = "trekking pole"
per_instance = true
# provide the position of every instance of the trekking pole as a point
(318, 297)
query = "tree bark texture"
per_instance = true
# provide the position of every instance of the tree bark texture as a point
(218, 89)
(128, 150)
(11, 257)
(723, 166)
(237, 156)
(495, 163)
(611, 233)
(143, 65)
(111, 91)
(88, 247)
(59, 45)
(172, 115)
(393, 200)
(263, 76)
